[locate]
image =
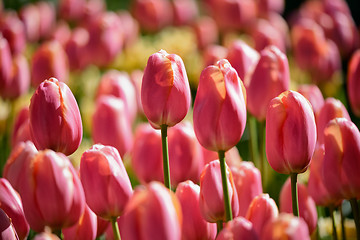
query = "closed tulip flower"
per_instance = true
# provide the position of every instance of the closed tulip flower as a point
(185, 12)
(238, 229)
(211, 193)
(165, 90)
(219, 108)
(55, 120)
(75, 47)
(262, 210)
(13, 29)
(206, 32)
(269, 78)
(194, 225)
(10, 202)
(153, 212)
(213, 53)
(5, 64)
(21, 127)
(312, 93)
(52, 194)
(106, 184)
(7, 230)
(290, 133)
(353, 83)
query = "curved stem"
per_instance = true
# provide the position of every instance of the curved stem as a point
(219, 225)
(294, 194)
(334, 232)
(165, 153)
(254, 146)
(115, 228)
(355, 210)
(228, 212)
(262, 152)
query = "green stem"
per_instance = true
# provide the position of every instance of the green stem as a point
(355, 210)
(165, 153)
(262, 152)
(294, 194)
(115, 228)
(342, 217)
(228, 213)
(254, 148)
(334, 232)
(219, 225)
(58, 233)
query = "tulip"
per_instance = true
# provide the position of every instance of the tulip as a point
(5, 63)
(21, 127)
(247, 180)
(106, 184)
(266, 7)
(136, 79)
(71, 9)
(49, 60)
(206, 32)
(232, 157)
(118, 84)
(238, 229)
(131, 28)
(85, 228)
(211, 194)
(30, 16)
(332, 108)
(61, 32)
(262, 210)
(52, 194)
(102, 226)
(7, 230)
(18, 162)
(286, 226)
(242, 57)
(153, 212)
(10, 202)
(47, 18)
(13, 29)
(75, 48)
(55, 121)
(184, 11)
(315, 97)
(307, 207)
(110, 125)
(213, 53)
(353, 83)
(194, 225)
(269, 78)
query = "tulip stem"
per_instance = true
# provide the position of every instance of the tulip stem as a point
(219, 225)
(228, 212)
(342, 218)
(294, 194)
(165, 153)
(262, 152)
(58, 233)
(254, 148)
(115, 228)
(355, 210)
(334, 231)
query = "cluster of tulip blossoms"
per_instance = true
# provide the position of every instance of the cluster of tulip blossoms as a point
(92, 152)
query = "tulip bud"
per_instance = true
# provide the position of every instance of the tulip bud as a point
(213, 53)
(165, 90)
(238, 229)
(52, 193)
(232, 157)
(219, 108)
(7, 230)
(353, 83)
(247, 180)
(206, 32)
(307, 207)
(262, 210)
(194, 225)
(49, 60)
(5, 63)
(21, 128)
(290, 133)
(10, 202)
(286, 226)
(13, 29)
(315, 97)
(185, 11)
(111, 124)
(61, 33)
(30, 16)
(211, 193)
(55, 121)
(242, 57)
(130, 26)
(269, 78)
(152, 212)
(341, 159)
(266, 7)
(102, 226)
(47, 18)
(75, 47)
(71, 9)
(84, 229)
(106, 183)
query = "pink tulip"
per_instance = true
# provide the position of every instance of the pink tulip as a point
(5, 64)
(165, 90)
(242, 57)
(307, 207)
(61, 32)
(106, 183)
(13, 29)
(21, 127)
(194, 225)
(332, 108)
(184, 11)
(341, 159)
(84, 229)
(18, 162)
(110, 124)
(55, 121)
(290, 133)
(7, 230)
(353, 82)
(30, 16)
(75, 48)
(118, 84)
(10, 202)
(92, 9)
(232, 157)
(153, 212)
(262, 210)
(131, 28)
(102, 225)
(314, 95)
(286, 226)
(238, 229)
(71, 9)
(268, 6)
(219, 108)
(49, 60)
(47, 18)
(52, 194)
(247, 180)
(211, 193)
(206, 32)
(136, 79)
(269, 78)
(213, 53)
